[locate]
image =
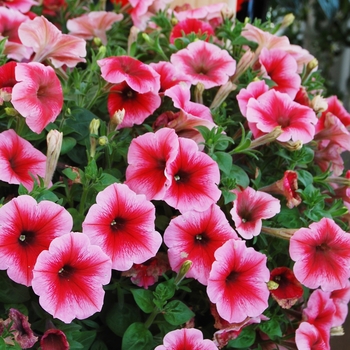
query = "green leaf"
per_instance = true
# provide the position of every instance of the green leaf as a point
(305, 177)
(137, 337)
(11, 292)
(272, 328)
(105, 180)
(99, 345)
(240, 176)
(177, 313)
(165, 291)
(68, 144)
(2, 344)
(224, 161)
(143, 299)
(245, 339)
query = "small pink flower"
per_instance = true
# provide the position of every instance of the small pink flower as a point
(191, 25)
(204, 63)
(237, 282)
(95, 24)
(322, 255)
(38, 95)
(186, 338)
(122, 224)
(195, 177)
(328, 157)
(139, 76)
(49, 43)
(273, 109)
(26, 229)
(147, 157)
(249, 208)
(19, 160)
(195, 236)
(69, 277)
(308, 337)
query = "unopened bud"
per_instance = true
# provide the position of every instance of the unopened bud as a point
(312, 65)
(11, 111)
(336, 331)
(103, 140)
(117, 118)
(93, 127)
(185, 267)
(227, 13)
(54, 144)
(319, 104)
(287, 20)
(97, 41)
(292, 145)
(270, 137)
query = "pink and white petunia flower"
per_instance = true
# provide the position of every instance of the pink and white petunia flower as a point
(195, 236)
(191, 25)
(204, 63)
(308, 337)
(38, 95)
(237, 282)
(322, 255)
(122, 224)
(274, 108)
(49, 43)
(95, 24)
(195, 177)
(281, 68)
(26, 229)
(69, 277)
(148, 155)
(249, 208)
(139, 76)
(186, 338)
(337, 108)
(20, 5)
(341, 298)
(20, 161)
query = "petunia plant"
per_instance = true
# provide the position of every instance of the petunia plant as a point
(170, 178)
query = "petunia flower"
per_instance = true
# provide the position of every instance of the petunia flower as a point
(195, 236)
(69, 277)
(191, 25)
(26, 229)
(7, 81)
(322, 255)
(237, 282)
(20, 5)
(341, 298)
(49, 43)
(195, 177)
(274, 108)
(137, 106)
(54, 339)
(249, 208)
(139, 76)
(38, 95)
(336, 108)
(204, 63)
(19, 160)
(308, 337)
(148, 155)
(186, 338)
(95, 24)
(122, 224)
(288, 289)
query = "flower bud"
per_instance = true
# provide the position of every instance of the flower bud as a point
(54, 144)
(318, 104)
(117, 118)
(287, 20)
(103, 140)
(97, 41)
(11, 111)
(185, 267)
(93, 127)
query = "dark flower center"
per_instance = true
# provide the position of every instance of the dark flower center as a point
(66, 272)
(181, 177)
(118, 224)
(26, 237)
(232, 277)
(129, 94)
(322, 247)
(283, 121)
(201, 238)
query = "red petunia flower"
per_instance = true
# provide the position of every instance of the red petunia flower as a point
(147, 157)
(26, 229)
(289, 289)
(7, 81)
(38, 95)
(122, 224)
(195, 236)
(204, 63)
(195, 177)
(191, 25)
(322, 255)
(19, 160)
(69, 277)
(54, 339)
(139, 76)
(249, 208)
(137, 106)
(237, 282)
(186, 338)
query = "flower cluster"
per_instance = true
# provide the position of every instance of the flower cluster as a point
(170, 178)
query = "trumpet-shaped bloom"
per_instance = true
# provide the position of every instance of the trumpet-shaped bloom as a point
(38, 95)
(308, 337)
(122, 224)
(204, 63)
(147, 157)
(54, 339)
(137, 106)
(249, 208)
(237, 282)
(274, 108)
(195, 177)
(49, 43)
(93, 25)
(191, 25)
(19, 160)
(26, 229)
(336, 107)
(69, 277)
(196, 236)
(186, 338)
(322, 255)
(139, 76)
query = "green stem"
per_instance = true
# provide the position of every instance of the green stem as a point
(151, 317)
(83, 199)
